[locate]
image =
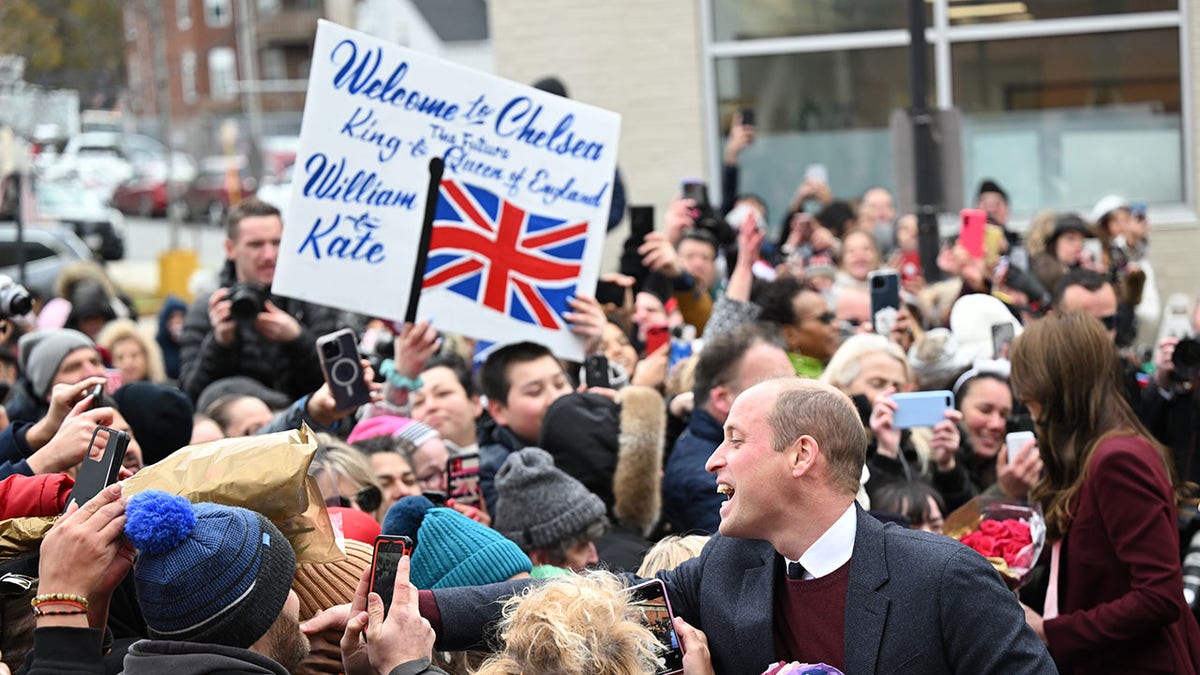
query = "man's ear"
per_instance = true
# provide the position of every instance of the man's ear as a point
(476, 405)
(498, 411)
(229, 248)
(802, 455)
(722, 399)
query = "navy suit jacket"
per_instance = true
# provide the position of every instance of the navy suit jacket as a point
(917, 603)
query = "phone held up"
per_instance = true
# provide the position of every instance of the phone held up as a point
(342, 366)
(388, 551)
(650, 600)
(462, 472)
(885, 299)
(972, 230)
(102, 464)
(921, 408)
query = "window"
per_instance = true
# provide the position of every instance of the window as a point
(217, 12)
(183, 14)
(268, 7)
(1060, 101)
(187, 74)
(222, 74)
(274, 65)
(807, 112)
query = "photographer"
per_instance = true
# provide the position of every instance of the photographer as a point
(1169, 404)
(242, 329)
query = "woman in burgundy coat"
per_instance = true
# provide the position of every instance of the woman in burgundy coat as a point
(1115, 602)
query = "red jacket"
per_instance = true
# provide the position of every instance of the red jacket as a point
(1120, 593)
(42, 495)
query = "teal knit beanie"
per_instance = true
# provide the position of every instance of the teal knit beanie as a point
(453, 550)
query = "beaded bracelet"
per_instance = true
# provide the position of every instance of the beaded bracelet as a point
(388, 370)
(56, 597)
(68, 603)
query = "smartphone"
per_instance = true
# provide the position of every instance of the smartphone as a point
(641, 222)
(595, 371)
(97, 393)
(650, 600)
(1015, 441)
(885, 299)
(98, 472)
(389, 548)
(1093, 250)
(338, 352)
(1002, 337)
(608, 293)
(462, 474)
(816, 173)
(698, 192)
(656, 337)
(922, 408)
(910, 266)
(436, 496)
(971, 231)
(748, 116)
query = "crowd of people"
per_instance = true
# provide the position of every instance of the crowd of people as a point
(745, 450)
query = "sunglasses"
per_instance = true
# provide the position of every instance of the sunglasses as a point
(368, 498)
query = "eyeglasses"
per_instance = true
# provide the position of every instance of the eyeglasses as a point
(1110, 321)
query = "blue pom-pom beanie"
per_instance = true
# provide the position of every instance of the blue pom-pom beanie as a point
(206, 572)
(451, 549)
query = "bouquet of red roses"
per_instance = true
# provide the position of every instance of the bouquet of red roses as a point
(1008, 533)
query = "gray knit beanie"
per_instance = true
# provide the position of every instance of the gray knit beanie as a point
(539, 505)
(42, 352)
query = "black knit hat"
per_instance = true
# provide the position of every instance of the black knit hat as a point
(159, 416)
(539, 505)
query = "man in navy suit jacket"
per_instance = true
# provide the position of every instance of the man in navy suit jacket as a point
(909, 602)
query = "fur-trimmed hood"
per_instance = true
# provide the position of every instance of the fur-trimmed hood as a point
(637, 482)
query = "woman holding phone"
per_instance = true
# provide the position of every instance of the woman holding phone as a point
(1109, 492)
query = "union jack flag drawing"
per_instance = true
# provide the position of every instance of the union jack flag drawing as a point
(493, 252)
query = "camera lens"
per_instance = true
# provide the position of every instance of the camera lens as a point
(330, 350)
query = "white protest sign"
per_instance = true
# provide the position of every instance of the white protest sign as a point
(522, 208)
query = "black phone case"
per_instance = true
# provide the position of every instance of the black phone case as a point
(95, 475)
(885, 292)
(595, 370)
(343, 373)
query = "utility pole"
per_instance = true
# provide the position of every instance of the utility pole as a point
(247, 28)
(158, 31)
(925, 178)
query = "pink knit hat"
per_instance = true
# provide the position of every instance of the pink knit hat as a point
(401, 428)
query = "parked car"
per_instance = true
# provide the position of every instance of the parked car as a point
(208, 196)
(48, 250)
(145, 193)
(101, 227)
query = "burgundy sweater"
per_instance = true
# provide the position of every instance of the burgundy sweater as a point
(810, 618)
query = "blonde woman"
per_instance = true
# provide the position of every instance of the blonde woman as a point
(138, 357)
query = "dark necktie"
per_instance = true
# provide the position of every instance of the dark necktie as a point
(795, 570)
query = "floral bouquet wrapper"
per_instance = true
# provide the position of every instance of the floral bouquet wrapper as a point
(795, 668)
(1008, 532)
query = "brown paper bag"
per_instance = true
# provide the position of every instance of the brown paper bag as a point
(18, 535)
(267, 474)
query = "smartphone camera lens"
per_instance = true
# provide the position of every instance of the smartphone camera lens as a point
(330, 350)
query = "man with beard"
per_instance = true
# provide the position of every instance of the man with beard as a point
(213, 582)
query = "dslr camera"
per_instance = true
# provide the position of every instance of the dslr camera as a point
(1186, 359)
(14, 298)
(248, 300)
